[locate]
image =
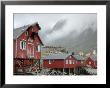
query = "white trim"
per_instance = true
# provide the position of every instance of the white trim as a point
(49, 61)
(70, 61)
(30, 43)
(66, 61)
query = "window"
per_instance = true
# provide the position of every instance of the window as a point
(81, 62)
(32, 29)
(22, 45)
(73, 62)
(70, 56)
(70, 61)
(26, 33)
(76, 62)
(49, 61)
(38, 48)
(66, 61)
(89, 62)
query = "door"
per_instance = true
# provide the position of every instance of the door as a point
(30, 50)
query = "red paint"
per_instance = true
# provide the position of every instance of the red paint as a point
(61, 63)
(54, 63)
(30, 44)
(91, 63)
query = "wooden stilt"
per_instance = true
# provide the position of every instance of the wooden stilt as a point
(74, 71)
(63, 71)
(69, 71)
(23, 66)
(79, 70)
(39, 64)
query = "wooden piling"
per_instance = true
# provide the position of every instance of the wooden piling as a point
(69, 71)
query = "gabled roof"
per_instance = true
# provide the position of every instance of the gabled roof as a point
(56, 56)
(18, 31)
(62, 56)
(93, 57)
(78, 57)
(39, 38)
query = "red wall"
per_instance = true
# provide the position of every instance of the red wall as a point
(61, 63)
(73, 59)
(93, 63)
(54, 63)
(23, 53)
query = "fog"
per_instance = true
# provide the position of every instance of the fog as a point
(59, 27)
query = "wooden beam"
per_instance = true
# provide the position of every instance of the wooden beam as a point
(63, 71)
(69, 71)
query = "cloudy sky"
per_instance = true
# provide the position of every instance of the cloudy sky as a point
(57, 29)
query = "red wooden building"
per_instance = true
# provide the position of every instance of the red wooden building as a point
(62, 61)
(91, 62)
(71, 64)
(26, 46)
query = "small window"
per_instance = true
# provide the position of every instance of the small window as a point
(26, 33)
(22, 45)
(70, 56)
(32, 29)
(38, 49)
(73, 62)
(70, 61)
(49, 61)
(76, 61)
(66, 61)
(81, 62)
(89, 62)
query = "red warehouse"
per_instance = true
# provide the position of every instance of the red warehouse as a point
(91, 62)
(62, 61)
(27, 45)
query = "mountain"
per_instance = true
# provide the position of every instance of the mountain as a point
(74, 36)
(86, 40)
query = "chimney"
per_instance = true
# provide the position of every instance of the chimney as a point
(72, 53)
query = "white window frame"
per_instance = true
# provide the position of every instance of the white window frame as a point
(38, 48)
(81, 62)
(70, 56)
(20, 44)
(66, 61)
(73, 62)
(90, 63)
(70, 61)
(26, 33)
(24, 45)
(49, 61)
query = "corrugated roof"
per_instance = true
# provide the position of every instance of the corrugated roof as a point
(56, 56)
(94, 57)
(18, 31)
(78, 57)
(62, 56)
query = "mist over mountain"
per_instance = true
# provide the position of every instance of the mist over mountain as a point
(73, 31)
(84, 39)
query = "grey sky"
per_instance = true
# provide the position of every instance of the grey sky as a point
(58, 26)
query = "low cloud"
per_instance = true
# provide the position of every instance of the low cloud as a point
(58, 26)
